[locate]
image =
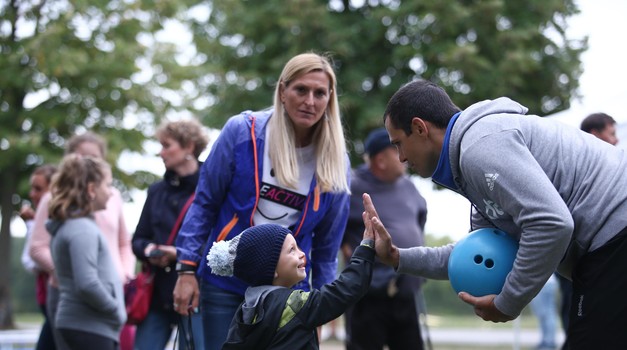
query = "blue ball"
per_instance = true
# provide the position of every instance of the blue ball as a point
(480, 262)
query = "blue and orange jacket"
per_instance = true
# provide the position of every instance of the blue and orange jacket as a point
(226, 200)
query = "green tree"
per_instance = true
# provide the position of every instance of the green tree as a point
(475, 49)
(70, 66)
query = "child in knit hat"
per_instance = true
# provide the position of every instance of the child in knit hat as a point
(274, 316)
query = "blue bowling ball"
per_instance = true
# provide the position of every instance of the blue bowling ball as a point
(480, 262)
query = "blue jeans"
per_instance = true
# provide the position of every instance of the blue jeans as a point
(544, 306)
(155, 331)
(217, 307)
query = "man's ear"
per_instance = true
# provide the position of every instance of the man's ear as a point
(596, 133)
(419, 127)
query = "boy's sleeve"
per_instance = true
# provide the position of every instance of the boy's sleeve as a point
(334, 298)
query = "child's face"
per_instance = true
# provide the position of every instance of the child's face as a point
(291, 266)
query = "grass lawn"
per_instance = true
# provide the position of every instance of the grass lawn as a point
(28, 319)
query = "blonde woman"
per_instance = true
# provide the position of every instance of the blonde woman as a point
(91, 311)
(286, 165)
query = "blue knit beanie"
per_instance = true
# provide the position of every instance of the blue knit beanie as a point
(251, 256)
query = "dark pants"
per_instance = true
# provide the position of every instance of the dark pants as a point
(377, 321)
(46, 339)
(598, 311)
(566, 291)
(77, 340)
(52, 301)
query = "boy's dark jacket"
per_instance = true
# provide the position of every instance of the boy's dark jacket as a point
(281, 318)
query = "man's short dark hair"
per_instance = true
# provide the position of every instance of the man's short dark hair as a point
(422, 99)
(597, 122)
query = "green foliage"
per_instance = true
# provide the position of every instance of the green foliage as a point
(475, 49)
(441, 299)
(70, 66)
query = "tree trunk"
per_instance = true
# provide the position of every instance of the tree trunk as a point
(7, 186)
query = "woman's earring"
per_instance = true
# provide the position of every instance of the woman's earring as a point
(188, 157)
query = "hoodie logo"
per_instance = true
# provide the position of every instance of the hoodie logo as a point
(492, 210)
(491, 179)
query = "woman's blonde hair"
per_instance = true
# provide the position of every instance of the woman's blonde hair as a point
(185, 132)
(70, 197)
(328, 137)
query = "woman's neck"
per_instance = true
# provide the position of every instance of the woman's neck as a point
(303, 138)
(187, 168)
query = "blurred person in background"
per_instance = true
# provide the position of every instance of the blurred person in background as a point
(544, 307)
(90, 312)
(387, 315)
(111, 223)
(39, 184)
(602, 126)
(182, 142)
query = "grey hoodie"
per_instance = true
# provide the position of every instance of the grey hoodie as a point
(91, 297)
(559, 191)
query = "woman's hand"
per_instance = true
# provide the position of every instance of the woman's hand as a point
(160, 255)
(186, 294)
(27, 212)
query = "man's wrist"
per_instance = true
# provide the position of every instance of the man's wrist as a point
(396, 257)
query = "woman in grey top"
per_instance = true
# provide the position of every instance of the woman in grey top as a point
(91, 304)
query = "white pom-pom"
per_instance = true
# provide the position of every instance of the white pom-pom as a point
(220, 259)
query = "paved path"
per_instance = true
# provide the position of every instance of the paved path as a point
(24, 338)
(527, 339)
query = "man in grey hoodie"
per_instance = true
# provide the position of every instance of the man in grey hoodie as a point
(560, 192)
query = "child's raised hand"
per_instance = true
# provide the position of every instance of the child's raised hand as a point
(369, 230)
(386, 250)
